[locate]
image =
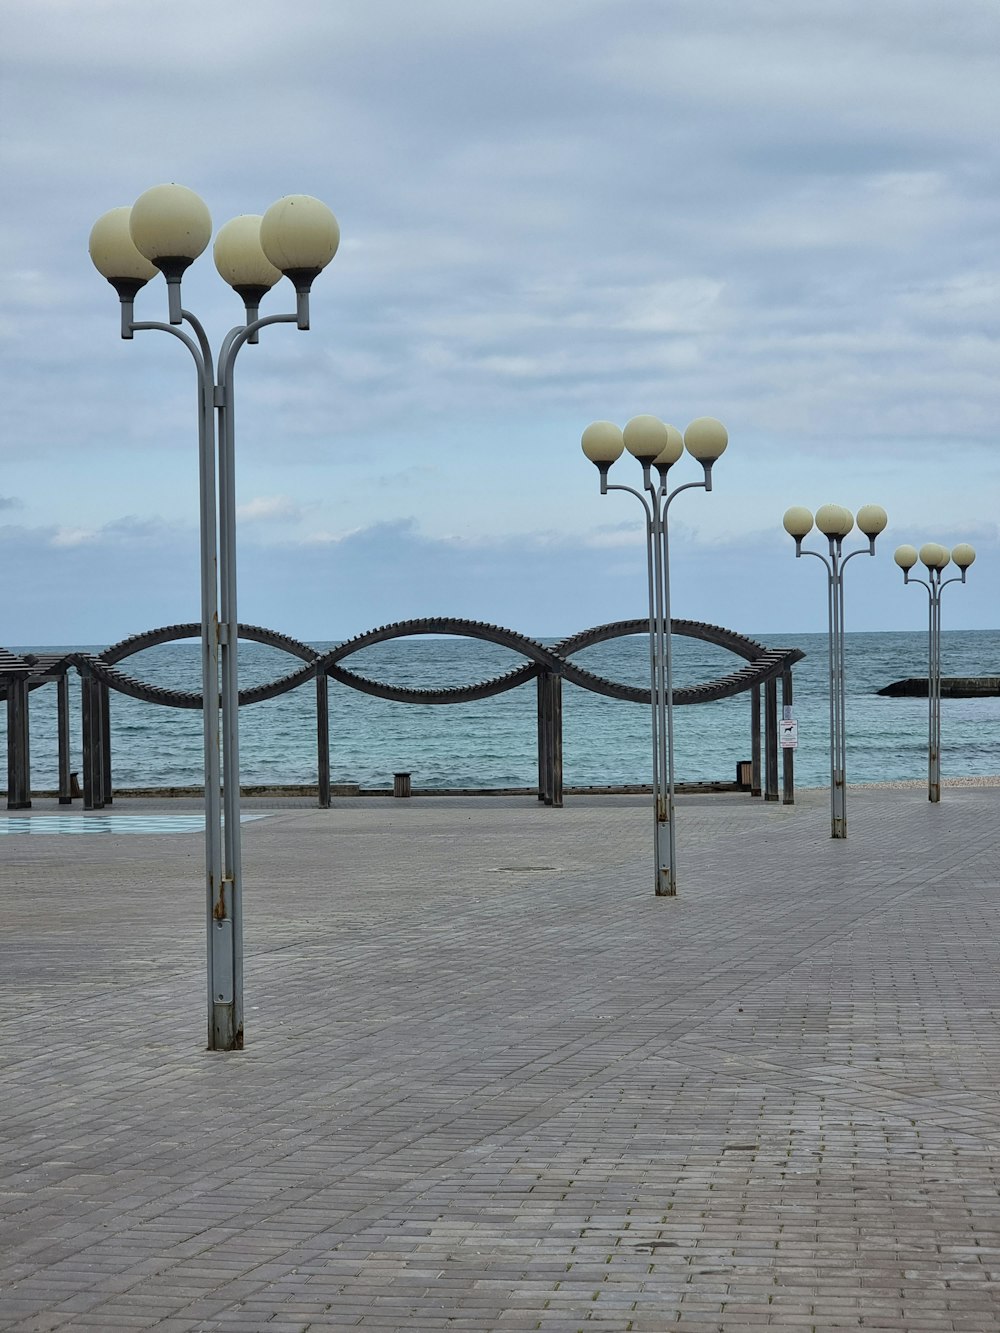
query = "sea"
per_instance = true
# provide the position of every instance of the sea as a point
(493, 743)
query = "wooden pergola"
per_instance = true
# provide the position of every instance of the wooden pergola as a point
(548, 665)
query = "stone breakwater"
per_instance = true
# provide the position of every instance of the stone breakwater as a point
(952, 687)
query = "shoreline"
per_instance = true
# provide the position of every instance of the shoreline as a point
(347, 791)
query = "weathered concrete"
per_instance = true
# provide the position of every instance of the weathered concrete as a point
(492, 1082)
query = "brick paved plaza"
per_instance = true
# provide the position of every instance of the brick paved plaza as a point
(491, 1082)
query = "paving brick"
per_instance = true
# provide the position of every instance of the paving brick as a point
(492, 1082)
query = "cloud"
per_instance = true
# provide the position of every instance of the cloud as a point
(73, 536)
(131, 576)
(783, 215)
(615, 538)
(269, 507)
(10, 502)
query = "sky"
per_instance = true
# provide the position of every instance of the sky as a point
(782, 215)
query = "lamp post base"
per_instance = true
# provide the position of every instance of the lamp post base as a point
(666, 884)
(224, 1035)
(838, 805)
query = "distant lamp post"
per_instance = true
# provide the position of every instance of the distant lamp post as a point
(657, 446)
(164, 231)
(835, 523)
(935, 558)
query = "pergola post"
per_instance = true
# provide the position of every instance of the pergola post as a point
(755, 741)
(771, 739)
(550, 762)
(544, 734)
(104, 695)
(787, 754)
(18, 745)
(62, 724)
(323, 740)
(555, 740)
(93, 738)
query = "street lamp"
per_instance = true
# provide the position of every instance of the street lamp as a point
(835, 523)
(164, 231)
(656, 445)
(935, 559)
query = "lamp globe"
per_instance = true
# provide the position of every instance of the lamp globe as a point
(645, 438)
(300, 236)
(798, 522)
(905, 556)
(671, 451)
(113, 251)
(963, 555)
(602, 443)
(171, 226)
(934, 555)
(706, 439)
(872, 520)
(834, 520)
(241, 261)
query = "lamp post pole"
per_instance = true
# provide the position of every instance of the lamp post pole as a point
(935, 558)
(164, 231)
(658, 446)
(835, 523)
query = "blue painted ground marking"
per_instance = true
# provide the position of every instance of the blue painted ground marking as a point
(86, 823)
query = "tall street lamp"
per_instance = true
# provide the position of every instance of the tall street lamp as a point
(835, 523)
(658, 446)
(935, 558)
(164, 231)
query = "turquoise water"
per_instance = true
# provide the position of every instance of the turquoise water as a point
(492, 743)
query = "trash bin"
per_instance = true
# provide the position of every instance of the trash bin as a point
(400, 784)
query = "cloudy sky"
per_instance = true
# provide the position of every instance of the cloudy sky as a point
(785, 215)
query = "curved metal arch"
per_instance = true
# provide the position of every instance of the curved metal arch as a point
(692, 629)
(152, 638)
(539, 656)
(764, 664)
(103, 665)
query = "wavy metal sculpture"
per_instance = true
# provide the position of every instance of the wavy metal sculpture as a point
(549, 665)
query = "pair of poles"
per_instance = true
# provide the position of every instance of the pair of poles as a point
(835, 523)
(164, 231)
(935, 558)
(657, 446)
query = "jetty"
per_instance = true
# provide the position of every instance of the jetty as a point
(952, 687)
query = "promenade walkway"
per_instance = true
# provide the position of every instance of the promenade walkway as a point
(491, 1082)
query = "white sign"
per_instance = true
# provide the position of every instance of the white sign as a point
(788, 734)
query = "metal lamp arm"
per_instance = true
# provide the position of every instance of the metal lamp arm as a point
(862, 550)
(639, 496)
(819, 556)
(201, 335)
(241, 334)
(200, 351)
(923, 583)
(688, 486)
